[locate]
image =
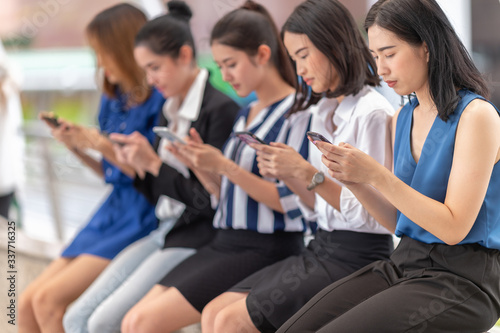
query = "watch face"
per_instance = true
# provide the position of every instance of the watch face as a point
(319, 177)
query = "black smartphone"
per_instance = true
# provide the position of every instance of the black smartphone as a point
(249, 137)
(164, 132)
(52, 120)
(106, 134)
(317, 137)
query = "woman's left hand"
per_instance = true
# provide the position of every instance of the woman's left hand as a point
(348, 164)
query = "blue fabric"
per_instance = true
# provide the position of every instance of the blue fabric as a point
(126, 215)
(430, 175)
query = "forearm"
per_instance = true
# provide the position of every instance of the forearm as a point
(211, 182)
(257, 188)
(431, 215)
(376, 205)
(300, 189)
(328, 190)
(106, 149)
(93, 164)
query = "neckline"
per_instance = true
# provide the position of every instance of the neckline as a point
(410, 131)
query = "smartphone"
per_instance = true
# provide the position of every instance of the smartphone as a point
(164, 132)
(52, 120)
(249, 137)
(317, 137)
(106, 134)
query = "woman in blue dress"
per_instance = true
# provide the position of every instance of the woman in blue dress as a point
(127, 105)
(442, 200)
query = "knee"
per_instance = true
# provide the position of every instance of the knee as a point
(225, 319)
(44, 303)
(25, 306)
(135, 321)
(73, 320)
(100, 322)
(208, 317)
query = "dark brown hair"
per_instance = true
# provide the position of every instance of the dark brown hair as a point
(249, 27)
(450, 65)
(165, 35)
(333, 31)
(113, 31)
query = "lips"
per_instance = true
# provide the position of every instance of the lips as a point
(391, 84)
(236, 86)
(308, 81)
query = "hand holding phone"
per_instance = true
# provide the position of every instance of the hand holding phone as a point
(51, 119)
(249, 137)
(106, 135)
(164, 132)
(313, 136)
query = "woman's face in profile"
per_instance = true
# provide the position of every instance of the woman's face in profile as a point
(162, 71)
(312, 65)
(237, 68)
(402, 66)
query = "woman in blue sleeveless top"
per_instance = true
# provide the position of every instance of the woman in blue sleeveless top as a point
(443, 199)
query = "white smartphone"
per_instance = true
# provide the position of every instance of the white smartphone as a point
(164, 132)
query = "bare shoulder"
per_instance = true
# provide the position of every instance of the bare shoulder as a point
(480, 122)
(480, 111)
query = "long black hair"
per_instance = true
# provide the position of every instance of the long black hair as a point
(450, 65)
(249, 27)
(333, 31)
(165, 35)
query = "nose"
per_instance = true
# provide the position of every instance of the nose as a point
(300, 69)
(382, 69)
(151, 79)
(226, 76)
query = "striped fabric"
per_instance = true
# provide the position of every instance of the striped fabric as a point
(236, 210)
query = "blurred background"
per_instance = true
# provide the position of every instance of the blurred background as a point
(49, 58)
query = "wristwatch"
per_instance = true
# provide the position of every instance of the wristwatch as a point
(318, 178)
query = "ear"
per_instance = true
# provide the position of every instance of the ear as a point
(426, 50)
(263, 54)
(185, 55)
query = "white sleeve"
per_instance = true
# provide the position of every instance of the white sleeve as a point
(374, 140)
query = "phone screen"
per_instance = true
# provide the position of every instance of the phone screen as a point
(317, 137)
(52, 120)
(164, 132)
(249, 138)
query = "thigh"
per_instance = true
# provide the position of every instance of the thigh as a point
(166, 311)
(337, 299)
(112, 310)
(71, 281)
(429, 304)
(46, 276)
(224, 300)
(280, 290)
(118, 270)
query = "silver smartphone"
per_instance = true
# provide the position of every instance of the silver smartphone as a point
(164, 132)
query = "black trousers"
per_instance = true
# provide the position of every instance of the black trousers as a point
(423, 288)
(5, 202)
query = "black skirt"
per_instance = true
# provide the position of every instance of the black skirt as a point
(278, 291)
(230, 257)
